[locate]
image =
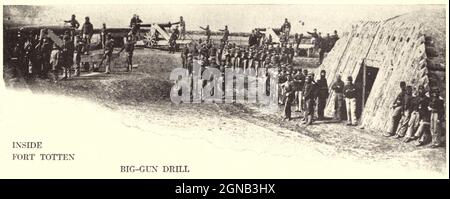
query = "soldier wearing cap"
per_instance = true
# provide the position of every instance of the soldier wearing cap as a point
(190, 63)
(184, 55)
(403, 123)
(67, 55)
(322, 94)
(350, 93)
(308, 96)
(226, 33)
(207, 32)
(55, 61)
(129, 49)
(289, 90)
(414, 119)
(103, 33)
(298, 79)
(397, 107)
(44, 52)
(286, 28)
(422, 134)
(109, 47)
(338, 88)
(182, 28)
(73, 22)
(87, 30)
(437, 110)
(78, 50)
(173, 40)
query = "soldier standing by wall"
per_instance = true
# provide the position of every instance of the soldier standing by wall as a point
(397, 107)
(415, 116)
(323, 94)
(437, 116)
(338, 88)
(350, 101)
(423, 131)
(403, 124)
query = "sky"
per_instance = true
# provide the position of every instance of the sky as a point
(239, 18)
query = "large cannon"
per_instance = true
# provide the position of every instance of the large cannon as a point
(158, 35)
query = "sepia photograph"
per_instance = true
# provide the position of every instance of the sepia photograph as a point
(224, 90)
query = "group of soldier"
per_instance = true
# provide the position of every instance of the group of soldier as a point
(417, 115)
(310, 95)
(39, 56)
(230, 55)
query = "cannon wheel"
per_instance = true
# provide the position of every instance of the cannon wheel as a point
(151, 43)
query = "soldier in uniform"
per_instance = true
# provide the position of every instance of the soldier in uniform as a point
(422, 133)
(323, 48)
(333, 39)
(45, 49)
(226, 33)
(289, 90)
(30, 54)
(184, 55)
(55, 61)
(286, 28)
(103, 34)
(397, 107)
(414, 119)
(298, 78)
(78, 51)
(108, 53)
(183, 28)
(323, 94)
(67, 55)
(207, 32)
(135, 23)
(73, 22)
(437, 110)
(129, 49)
(173, 40)
(87, 30)
(308, 96)
(404, 121)
(350, 93)
(338, 88)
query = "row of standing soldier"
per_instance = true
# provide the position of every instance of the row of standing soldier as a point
(300, 88)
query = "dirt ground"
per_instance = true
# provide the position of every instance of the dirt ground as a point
(142, 97)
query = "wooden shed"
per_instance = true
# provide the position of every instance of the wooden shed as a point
(408, 48)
